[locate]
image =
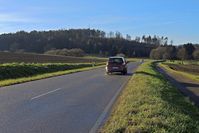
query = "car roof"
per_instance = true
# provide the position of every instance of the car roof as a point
(117, 57)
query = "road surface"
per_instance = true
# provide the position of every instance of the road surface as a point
(74, 103)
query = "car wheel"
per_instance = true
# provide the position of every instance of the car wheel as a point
(124, 72)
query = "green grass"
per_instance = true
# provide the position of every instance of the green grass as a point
(133, 59)
(20, 72)
(186, 62)
(182, 73)
(149, 103)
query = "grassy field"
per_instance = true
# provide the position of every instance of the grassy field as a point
(190, 71)
(13, 73)
(149, 103)
(193, 69)
(186, 62)
(7, 57)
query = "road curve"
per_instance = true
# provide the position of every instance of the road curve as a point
(66, 104)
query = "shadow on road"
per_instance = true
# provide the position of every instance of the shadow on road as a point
(129, 74)
(119, 74)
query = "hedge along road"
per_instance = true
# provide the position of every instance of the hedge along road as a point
(72, 103)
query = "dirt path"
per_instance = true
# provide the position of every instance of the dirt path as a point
(187, 86)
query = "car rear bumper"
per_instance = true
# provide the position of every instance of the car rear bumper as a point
(115, 69)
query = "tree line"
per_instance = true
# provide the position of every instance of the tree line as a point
(183, 52)
(78, 42)
(90, 41)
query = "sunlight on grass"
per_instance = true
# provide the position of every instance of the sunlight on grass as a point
(150, 103)
(182, 73)
(45, 74)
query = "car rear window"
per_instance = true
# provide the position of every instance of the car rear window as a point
(116, 60)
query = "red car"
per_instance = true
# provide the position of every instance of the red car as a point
(116, 64)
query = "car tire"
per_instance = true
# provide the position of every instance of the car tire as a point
(124, 72)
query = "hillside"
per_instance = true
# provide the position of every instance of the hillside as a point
(90, 41)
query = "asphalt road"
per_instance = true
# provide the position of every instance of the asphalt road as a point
(74, 103)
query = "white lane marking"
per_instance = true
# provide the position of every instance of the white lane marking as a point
(106, 110)
(45, 94)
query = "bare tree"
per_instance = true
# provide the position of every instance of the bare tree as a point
(196, 54)
(137, 39)
(118, 35)
(182, 54)
(128, 37)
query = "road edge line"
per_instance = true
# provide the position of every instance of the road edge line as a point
(105, 112)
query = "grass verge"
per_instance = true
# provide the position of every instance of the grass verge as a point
(49, 74)
(184, 74)
(149, 103)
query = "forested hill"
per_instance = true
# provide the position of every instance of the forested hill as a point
(90, 41)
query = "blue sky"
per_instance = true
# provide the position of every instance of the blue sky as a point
(176, 19)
